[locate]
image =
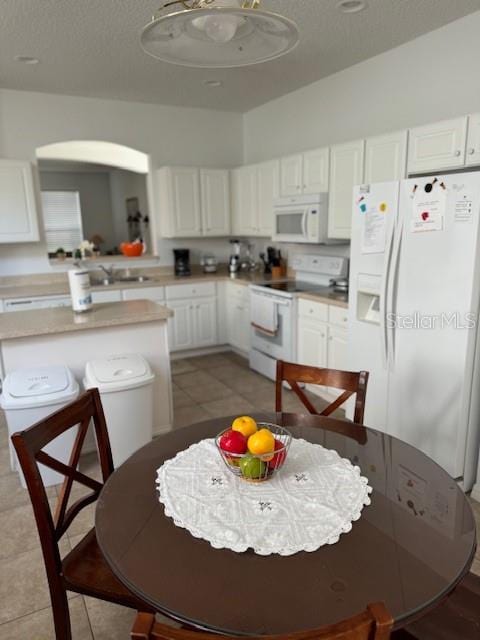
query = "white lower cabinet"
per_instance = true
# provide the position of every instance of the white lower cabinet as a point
(155, 294)
(205, 322)
(194, 321)
(106, 296)
(322, 339)
(337, 353)
(238, 316)
(312, 346)
(180, 325)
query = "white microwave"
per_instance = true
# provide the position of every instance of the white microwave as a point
(301, 219)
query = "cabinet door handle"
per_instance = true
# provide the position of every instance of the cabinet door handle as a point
(458, 153)
(471, 151)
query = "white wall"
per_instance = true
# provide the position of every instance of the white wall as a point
(123, 185)
(431, 78)
(171, 135)
(95, 201)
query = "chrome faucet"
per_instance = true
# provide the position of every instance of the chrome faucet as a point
(107, 270)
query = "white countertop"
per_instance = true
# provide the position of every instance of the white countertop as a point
(62, 319)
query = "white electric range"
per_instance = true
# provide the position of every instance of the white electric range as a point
(278, 339)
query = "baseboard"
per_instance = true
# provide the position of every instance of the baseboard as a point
(160, 431)
(476, 492)
(191, 353)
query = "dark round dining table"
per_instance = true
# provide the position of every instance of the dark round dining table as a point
(409, 549)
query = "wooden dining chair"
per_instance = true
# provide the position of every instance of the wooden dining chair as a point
(375, 623)
(456, 618)
(84, 570)
(351, 383)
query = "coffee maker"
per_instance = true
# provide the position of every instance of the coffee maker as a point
(234, 261)
(182, 262)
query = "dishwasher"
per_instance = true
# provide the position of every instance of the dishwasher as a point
(41, 302)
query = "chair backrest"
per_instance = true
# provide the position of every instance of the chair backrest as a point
(29, 444)
(351, 382)
(375, 623)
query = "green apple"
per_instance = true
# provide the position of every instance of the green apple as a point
(252, 467)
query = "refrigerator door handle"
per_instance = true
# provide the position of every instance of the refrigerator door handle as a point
(383, 300)
(391, 293)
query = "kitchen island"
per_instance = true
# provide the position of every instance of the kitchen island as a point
(60, 336)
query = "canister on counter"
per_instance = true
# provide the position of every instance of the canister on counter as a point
(80, 290)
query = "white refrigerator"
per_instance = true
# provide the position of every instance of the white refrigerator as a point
(414, 303)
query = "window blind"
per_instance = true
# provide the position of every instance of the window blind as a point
(62, 216)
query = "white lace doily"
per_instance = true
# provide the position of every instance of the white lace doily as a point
(309, 502)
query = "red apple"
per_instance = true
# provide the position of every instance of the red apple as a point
(279, 458)
(233, 442)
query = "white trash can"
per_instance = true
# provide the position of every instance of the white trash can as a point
(28, 395)
(125, 383)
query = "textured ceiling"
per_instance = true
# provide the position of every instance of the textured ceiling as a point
(92, 48)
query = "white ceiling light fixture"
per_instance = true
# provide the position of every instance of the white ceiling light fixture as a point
(217, 33)
(351, 6)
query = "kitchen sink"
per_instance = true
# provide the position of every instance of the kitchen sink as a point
(107, 281)
(102, 282)
(133, 279)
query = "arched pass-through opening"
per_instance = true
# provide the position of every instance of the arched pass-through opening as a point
(119, 161)
(96, 152)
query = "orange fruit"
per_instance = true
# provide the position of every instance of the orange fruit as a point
(262, 442)
(245, 424)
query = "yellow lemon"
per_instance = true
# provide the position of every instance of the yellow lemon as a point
(262, 442)
(246, 425)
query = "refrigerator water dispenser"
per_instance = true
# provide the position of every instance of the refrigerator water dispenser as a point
(368, 298)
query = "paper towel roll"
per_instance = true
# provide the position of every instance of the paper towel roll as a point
(80, 290)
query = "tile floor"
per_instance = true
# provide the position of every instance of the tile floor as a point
(227, 386)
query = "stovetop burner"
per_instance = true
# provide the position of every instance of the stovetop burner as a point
(295, 286)
(290, 287)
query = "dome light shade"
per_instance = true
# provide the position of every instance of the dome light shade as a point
(218, 33)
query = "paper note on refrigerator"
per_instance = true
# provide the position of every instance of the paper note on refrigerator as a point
(374, 229)
(464, 208)
(428, 211)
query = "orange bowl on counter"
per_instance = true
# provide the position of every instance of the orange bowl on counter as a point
(131, 249)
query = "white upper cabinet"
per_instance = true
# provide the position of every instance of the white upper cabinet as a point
(346, 171)
(244, 200)
(473, 140)
(18, 211)
(268, 188)
(315, 171)
(193, 202)
(215, 194)
(291, 175)
(182, 206)
(437, 146)
(304, 173)
(254, 188)
(386, 157)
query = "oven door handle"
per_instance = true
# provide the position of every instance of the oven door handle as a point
(283, 303)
